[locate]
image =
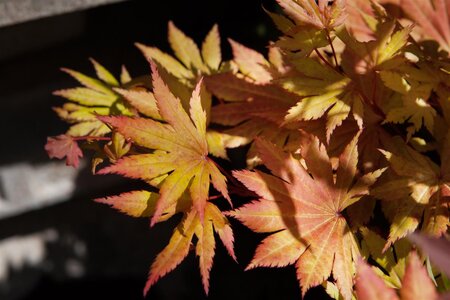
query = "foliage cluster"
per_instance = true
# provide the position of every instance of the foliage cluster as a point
(348, 114)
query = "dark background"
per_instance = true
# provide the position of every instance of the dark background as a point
(113, 251)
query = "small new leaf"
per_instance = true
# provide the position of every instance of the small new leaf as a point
(64, 146)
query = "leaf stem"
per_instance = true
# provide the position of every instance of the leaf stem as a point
(323, 58)
(214, 197)
(90, 137)
(332, 49)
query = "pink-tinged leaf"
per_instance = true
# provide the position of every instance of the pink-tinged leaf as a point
(174, 186)
(182, 239)
(231, 114)
(437, 248)
(219, 181)
(432, 16)
(277, 250)
(309, 204)
(205, 251)
(148, 133)
(302, 15)
(231, 88)
(249, 100)
(64, 146)
(142, 166)
(282, 164)
(172, 111)
(175, 252)
(199, 190)
(317, 14)
(179, 146)
(416, 283)
(371, 287)
(198, 115)
(251, 63)
(347, 170)
(221, 227)
(345, 253)
(261, 215)
(135, 203)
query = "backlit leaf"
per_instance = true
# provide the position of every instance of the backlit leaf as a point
(211, 52)
(308, 205)
(183, 150)
(251, 63)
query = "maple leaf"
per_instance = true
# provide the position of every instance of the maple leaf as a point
(251, 63)
(143, 204)
(181, 150)
(246, 99)
(96, 97)
(180, 242)
(416, 284)
(325, 91)
(64, 146)
(362, 61)
(392, 261)
(414, 82)
(252, 109)
(304, 208)
(190, 61)
(415, 110)
(312, 27)
(417, 188)
(361, 21)
(318, 14)
(364, 16)
(433, 16)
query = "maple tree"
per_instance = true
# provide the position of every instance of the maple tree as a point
(345, 126)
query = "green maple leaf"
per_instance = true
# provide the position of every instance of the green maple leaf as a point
(190, 61)
(325, 92)
(417, 188)
(96, 97)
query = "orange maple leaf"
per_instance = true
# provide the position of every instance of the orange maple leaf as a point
(143, 203)
(305, 209)
(179, 160)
